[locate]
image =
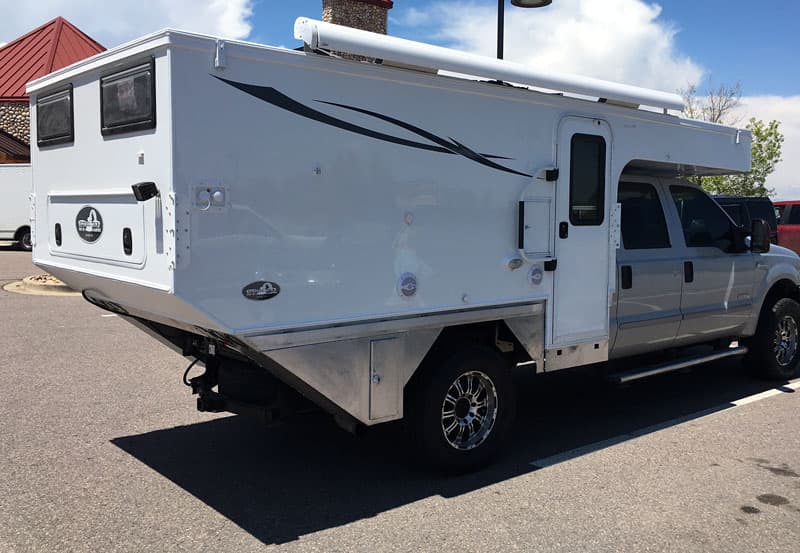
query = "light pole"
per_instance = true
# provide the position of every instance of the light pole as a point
(501, 5)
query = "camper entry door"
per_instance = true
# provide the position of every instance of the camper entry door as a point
(580, 295)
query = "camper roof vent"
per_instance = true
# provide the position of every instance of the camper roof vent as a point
(327, 36)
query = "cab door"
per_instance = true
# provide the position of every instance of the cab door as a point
(649, 272)
(718, 281)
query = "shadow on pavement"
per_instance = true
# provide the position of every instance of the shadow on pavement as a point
(283, 482)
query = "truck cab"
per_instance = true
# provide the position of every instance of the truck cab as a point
(686, 274)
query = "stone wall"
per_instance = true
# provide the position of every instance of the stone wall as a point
(15, 120)
(368, 15)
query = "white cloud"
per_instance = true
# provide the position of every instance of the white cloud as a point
(618, 40)
(114, 22)
(786, 178)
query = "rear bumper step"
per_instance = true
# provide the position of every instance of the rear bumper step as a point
(630, 376)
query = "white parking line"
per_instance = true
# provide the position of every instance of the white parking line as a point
(108, 315)
(790, 387)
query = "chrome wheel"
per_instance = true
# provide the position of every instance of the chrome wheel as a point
(785, 340)
(469, 410)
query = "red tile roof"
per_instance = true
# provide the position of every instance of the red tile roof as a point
(52, 46)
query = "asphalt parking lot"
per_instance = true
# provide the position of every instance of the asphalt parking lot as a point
(101, 450)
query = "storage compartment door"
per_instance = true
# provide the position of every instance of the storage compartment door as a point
(104, 228)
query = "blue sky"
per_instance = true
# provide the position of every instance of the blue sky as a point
(757, 44)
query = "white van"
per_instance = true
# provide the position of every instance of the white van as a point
(15, 191)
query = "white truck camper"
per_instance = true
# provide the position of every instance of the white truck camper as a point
(15, 204)
(389, 242)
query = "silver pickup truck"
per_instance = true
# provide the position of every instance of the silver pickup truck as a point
(687, 275)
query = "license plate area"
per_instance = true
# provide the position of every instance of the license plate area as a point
(97, 227)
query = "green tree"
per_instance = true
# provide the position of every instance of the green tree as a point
(766, 153)
(718, 106)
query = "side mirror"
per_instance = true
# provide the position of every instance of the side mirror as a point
(759, 236)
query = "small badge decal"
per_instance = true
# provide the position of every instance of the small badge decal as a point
(536, 275)
(89, 224)
(407, 285)
(261, 290)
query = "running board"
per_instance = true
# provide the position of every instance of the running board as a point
(622, 378)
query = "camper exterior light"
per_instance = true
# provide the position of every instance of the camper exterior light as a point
(531, 3)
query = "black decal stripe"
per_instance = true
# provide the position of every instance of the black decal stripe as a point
(452, 145)
(272, 96)
(278, 99)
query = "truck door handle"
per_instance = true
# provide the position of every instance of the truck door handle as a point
(563, 229)
(688, 271)
(626, 277)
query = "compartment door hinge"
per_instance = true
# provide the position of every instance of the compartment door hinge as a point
(32, 216)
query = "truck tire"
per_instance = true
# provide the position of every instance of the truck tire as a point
(24, 239)
(460, 413)
(775, 347)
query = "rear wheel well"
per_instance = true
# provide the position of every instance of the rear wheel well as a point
(21, 232)
(485, 334)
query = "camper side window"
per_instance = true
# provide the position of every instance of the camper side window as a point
(643, 223)
(128, 100)
(54, 118)
(587, 180)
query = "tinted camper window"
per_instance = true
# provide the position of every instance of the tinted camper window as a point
(587, 180)
(128, 99)
(54, 113)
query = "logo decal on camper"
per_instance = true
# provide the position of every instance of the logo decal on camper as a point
(407, 285)
(434, 143)
(89, 224)
(261, 290)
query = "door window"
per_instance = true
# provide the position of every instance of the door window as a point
(587, 180)
(762, 209)
(735, 211)
(779, 211)
(794, 215)
(704, 223)
(643, 222)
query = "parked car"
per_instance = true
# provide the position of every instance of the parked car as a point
(15, 188)
(788, 214)
(743, 209)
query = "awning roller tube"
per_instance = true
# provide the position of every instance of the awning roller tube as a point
(321, 35)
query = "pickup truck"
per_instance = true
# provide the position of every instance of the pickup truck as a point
(687, 275)
(359, 240)
(788, 213)
(743, 209)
